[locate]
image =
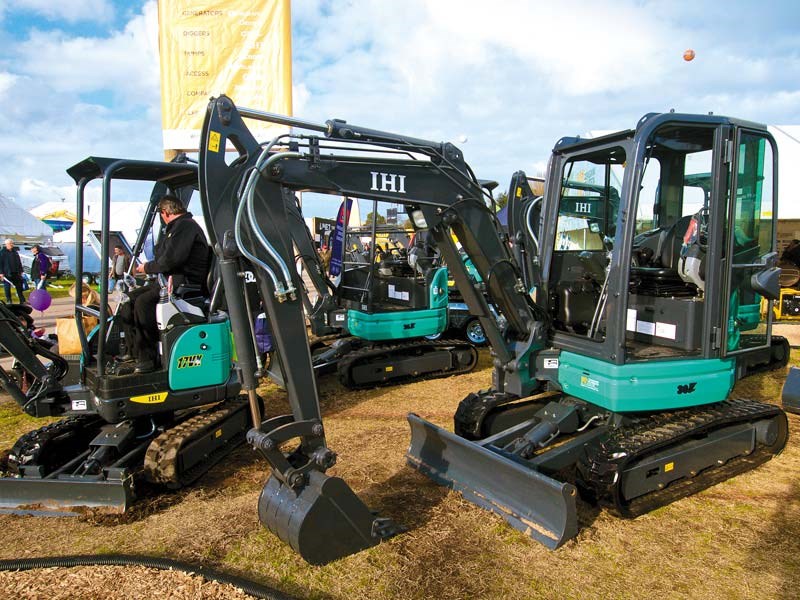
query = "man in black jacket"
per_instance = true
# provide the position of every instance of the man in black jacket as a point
(11, 270)
(181, 252)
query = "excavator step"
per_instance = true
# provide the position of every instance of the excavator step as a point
(539, 506)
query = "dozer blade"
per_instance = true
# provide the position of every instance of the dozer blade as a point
(324, 521)
(790, 396)
(63, 497)
(537, 505)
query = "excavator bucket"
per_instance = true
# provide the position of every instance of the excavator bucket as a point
(790, 396)
(537, 505)
(322, 522)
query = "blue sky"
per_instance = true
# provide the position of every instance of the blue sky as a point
(81, 77)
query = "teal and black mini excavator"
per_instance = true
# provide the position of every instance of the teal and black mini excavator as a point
(373, 322)
(119, 428)
(618, 348)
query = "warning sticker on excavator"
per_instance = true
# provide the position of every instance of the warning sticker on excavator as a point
(668, 467)
(150, 398)
(213, 141)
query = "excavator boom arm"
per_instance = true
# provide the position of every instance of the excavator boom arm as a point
(252, 223)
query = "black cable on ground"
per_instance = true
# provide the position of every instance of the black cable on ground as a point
(151, 562)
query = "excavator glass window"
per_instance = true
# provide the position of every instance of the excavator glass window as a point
(751, 238)
(667, 280)
(382, 269)
(585, 231)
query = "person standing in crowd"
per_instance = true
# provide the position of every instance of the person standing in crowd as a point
(11, 270)
(40, 268)
(120, 262)
(325, 257)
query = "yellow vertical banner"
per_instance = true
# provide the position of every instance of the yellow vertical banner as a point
(241, 48)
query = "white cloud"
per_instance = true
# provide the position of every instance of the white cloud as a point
(300, 98)
(580, 47)
(59, 100)
(513, 76)
(6, 81)
(124, 63)
(71, 11)
(45, 190)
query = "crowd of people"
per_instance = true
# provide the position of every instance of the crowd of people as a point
(12, 273)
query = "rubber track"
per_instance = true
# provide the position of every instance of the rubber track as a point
(347, 363)
(34, 443)
(161, 461)
(646, 435)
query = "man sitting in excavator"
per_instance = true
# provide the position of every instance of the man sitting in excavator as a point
(181, 253)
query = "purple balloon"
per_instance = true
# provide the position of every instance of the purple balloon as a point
(40, 299)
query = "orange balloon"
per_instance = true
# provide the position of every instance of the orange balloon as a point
(688, 55)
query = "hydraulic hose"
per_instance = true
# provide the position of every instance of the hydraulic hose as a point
(151, 562)
(531, 233)
(240, 244)
(250, 183)
(264, 160)
(261, 166)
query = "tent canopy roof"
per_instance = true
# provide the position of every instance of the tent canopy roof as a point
(20, 225)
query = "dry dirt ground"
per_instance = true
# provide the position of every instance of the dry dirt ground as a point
(738, 539)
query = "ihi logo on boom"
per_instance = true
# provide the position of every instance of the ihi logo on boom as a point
(388, 182)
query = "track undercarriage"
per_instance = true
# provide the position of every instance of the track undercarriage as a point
(381, 364)
(360, 364)
(531, 472)
(84, 462)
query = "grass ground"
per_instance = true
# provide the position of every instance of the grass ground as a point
(59, 288)
(738, 539)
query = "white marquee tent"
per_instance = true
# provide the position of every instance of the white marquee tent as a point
(20, 225)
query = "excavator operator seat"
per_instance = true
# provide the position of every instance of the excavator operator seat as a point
(660, 268)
